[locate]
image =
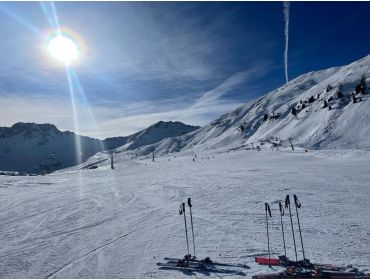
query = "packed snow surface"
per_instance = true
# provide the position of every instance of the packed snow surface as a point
(105, 223)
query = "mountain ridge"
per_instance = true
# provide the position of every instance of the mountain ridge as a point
(323, 118)
(39, 148)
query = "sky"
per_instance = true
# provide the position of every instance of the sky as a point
(142, 62)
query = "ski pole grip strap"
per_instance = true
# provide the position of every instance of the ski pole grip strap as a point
(297, 202)
(182, 208)
(189, 202)
(281, 208)
(287, 201)
(267, 208)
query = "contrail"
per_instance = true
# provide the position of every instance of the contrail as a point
(286, 32)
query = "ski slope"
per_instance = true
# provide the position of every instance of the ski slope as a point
(345, 125)
(105, 223)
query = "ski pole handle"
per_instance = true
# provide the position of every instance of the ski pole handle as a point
(297, 202)
(189, 202)
(281, 209)
(267, 208)
(182, 208)
(287, 201)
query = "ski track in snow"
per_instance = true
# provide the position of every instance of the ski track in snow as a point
(119, 223)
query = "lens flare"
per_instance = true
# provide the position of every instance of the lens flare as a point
(63, 49)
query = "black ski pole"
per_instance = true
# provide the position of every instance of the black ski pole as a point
(268, 211)
(298, 205)
(282, 225)
(192, 228)
(287, 205)
(182, 211)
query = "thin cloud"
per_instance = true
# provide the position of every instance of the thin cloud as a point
(174, 61)
(231, 83)
(124, 119)
(119, 120)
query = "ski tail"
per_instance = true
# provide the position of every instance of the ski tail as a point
(267, 261)
(328, 274)
(275, 275)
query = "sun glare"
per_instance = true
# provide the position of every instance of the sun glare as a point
(63, 49)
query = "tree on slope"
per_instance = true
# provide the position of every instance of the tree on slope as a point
(312, 99)
(363, 84)
(325, 104)
(294, 111)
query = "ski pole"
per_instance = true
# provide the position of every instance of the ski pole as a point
(192, 228)
(298, 205)
(267, 209)
(182, 211)
(282, 225)
(287, 205)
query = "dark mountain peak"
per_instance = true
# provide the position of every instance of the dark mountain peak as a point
(29, 130)
(21, 126)
(167, 124)
(152, 134)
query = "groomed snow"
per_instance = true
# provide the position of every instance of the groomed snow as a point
(105, 223)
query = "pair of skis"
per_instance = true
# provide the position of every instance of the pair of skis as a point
(285, 262)
(190, 262)
(306, 269)
(204, 266)
(282, 212)
(183, 212)
(201, 268)
(299, 273)
(303, 268)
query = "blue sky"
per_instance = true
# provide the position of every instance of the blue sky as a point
(142, 62)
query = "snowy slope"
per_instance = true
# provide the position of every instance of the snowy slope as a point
(346, 125)
(30, 147)
(105, 223)
(153, 134)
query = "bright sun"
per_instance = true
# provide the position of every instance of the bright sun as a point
(63, 49)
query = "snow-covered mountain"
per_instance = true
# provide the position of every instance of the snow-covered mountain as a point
(154, 133)
(325, 115)
(30, 147)
(320, 109)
